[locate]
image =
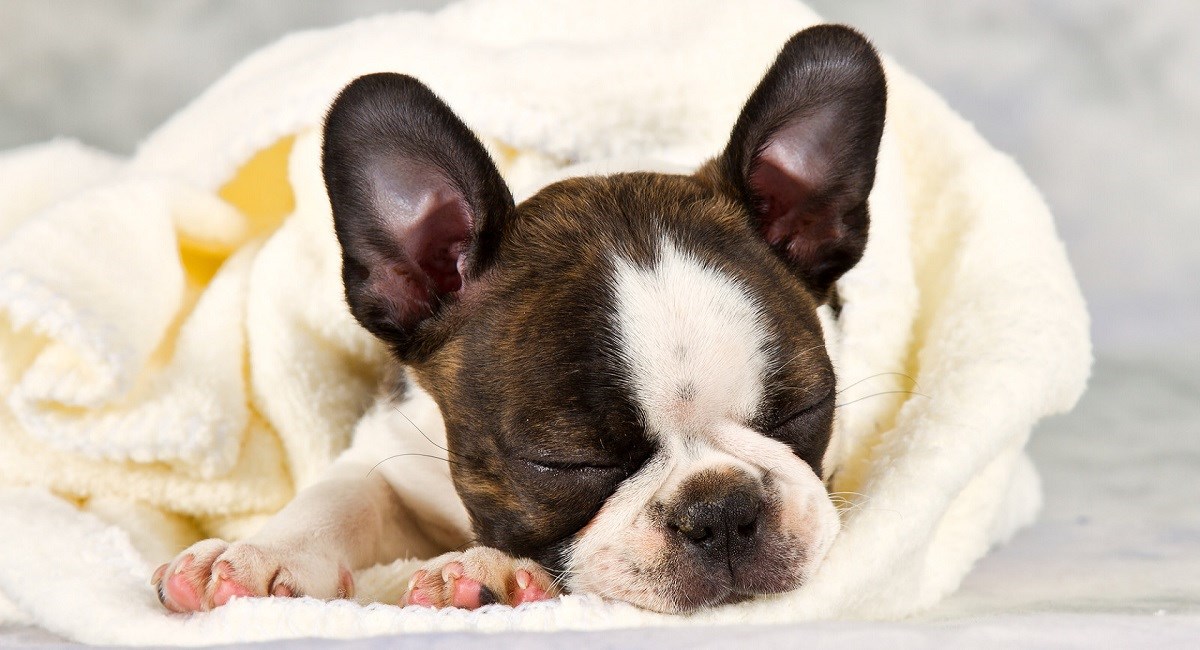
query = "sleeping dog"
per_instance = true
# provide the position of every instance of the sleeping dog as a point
(627, 373)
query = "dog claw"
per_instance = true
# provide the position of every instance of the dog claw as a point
(453, 571)
(159, 573)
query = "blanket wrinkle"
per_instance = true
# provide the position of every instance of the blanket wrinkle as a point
(177, 359)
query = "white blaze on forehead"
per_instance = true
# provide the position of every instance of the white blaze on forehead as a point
(693, 341)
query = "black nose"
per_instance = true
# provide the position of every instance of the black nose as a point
(721, 527)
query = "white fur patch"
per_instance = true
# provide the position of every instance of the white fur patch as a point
(693, 343)
(697, 354)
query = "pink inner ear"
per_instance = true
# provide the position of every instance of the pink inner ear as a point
(430, 221)
(437, 239)
(787, 177)
(426, 226)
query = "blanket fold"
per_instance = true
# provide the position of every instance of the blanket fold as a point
(176, 357)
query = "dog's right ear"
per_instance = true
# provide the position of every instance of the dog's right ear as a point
(417, 205)
(802, 154)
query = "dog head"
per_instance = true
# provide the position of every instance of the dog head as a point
(631, 368)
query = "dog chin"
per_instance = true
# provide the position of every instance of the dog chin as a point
(628, 554)
(682, 594)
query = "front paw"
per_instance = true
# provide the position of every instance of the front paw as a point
(480, 576)
(209, 573)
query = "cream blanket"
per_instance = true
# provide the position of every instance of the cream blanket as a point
(176, 358)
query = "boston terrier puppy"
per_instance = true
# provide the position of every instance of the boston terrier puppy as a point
(625, 375)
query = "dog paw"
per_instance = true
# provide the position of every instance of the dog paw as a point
(209, 573)
(480, 576)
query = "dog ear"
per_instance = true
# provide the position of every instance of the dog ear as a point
(802, 154)
(416, 200)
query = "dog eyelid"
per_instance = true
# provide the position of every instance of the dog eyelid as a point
(546, 465)
(793, 416)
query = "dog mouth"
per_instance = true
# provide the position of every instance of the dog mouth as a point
(683, 602)
(681, 593)
(733, 598)
(729, 597)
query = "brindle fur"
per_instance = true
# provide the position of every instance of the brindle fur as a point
(521, 352)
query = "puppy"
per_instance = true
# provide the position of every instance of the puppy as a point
(627, 373)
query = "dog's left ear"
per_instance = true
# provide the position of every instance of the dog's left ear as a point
(802, 154)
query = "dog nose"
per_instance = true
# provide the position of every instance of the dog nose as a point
(723, 527)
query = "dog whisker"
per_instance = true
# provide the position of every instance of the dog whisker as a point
(423, 435)
(782, 364)
(376, 466)
(886, 392)
(467, 544)
(882, 374)
(427, 438)
(560, 578)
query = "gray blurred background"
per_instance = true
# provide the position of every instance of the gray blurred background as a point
(1099, 100)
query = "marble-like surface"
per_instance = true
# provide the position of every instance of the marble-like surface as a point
(1120, 530)
(1098, 99)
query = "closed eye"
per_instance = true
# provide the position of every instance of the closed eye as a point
(807, 430)
(798, 416)
(547, 465)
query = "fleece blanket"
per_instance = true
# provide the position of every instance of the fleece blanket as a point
(176, 357)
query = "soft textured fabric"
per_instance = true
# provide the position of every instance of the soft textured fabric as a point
(1112, 562)
(176, 356)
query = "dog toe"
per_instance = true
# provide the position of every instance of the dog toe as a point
(531, 587)
(225, 587)
(477, 578)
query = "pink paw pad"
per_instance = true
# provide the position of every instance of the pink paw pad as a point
(478, 577)
(527, 590)
(226, 587)
(418, 595)
(182, 595)
(465, 592)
